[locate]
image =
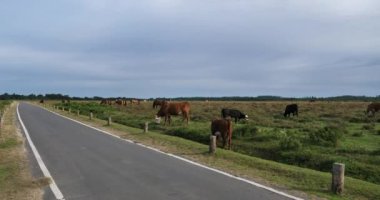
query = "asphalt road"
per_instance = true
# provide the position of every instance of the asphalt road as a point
(88, 164)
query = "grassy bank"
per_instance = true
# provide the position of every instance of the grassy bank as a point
(285, 177)
(16, 181)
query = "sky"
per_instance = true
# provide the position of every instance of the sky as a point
(185, 48)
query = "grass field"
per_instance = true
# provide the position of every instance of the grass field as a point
(323, 133)
(267, 135)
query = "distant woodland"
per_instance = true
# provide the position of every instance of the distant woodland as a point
(58, 96)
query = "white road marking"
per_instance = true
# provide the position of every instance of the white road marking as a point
(185, 160)
(53, 186)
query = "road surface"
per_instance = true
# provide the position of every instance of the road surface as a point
(88, 164)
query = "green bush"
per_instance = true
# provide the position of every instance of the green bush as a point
(245, 131)
(328, 136)
(358, 134)
(369, 127)
(194, 134)
(290, 143)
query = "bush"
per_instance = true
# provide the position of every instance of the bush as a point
(194, 134)
(290, 143)
(328, 136)
(358, 134)
(368, 126)
(245, 131)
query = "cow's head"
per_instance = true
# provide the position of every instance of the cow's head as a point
(157, 119)
(243, 116)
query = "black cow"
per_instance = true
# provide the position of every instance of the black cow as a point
(233, 114)
(373, 108)
(291, 109)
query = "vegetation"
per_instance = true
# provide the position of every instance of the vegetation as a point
(59, 96)
(324, 132)
(15, 178)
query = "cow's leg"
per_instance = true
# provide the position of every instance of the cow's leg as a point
(166, 119)
(224, 140)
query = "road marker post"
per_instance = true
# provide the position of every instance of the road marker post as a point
(109, 121)
(337, 185)
(91, 115)
(146, 127)
(212, 147)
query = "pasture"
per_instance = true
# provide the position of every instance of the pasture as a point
(323, 133)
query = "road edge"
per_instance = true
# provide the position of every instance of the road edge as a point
(53, 186)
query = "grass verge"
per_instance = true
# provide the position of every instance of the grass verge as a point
(16, 181)
(302, 182)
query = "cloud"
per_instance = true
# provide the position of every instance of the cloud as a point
(190, 48)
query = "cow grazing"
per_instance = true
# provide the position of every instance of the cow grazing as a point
(157, 103)
(224, 127)
(41, 101)
(174, 108)
(373, 108)
(291, 109)
(105, 102)
(135, 101)
(119, 102)
(236, 114)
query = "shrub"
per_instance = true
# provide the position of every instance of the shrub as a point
(358, 134)
(290, 143)
(195, 134)
(328, 136)
(245, 131)
(368, 126)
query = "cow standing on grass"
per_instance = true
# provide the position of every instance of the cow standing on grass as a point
(373, 108)
(174, 108)
(236, 114)
(291, 109)
(222, 128)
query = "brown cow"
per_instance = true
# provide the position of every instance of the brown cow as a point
(174, 108)
(105, 102)
(119, 102)
(222, 127)
(135, 101)
(373, 108)
(157, 103)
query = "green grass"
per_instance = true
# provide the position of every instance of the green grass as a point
(8, 143)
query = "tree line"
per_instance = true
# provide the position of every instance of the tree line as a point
(59, 96)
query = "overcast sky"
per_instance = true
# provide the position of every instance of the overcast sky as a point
(173, 48)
